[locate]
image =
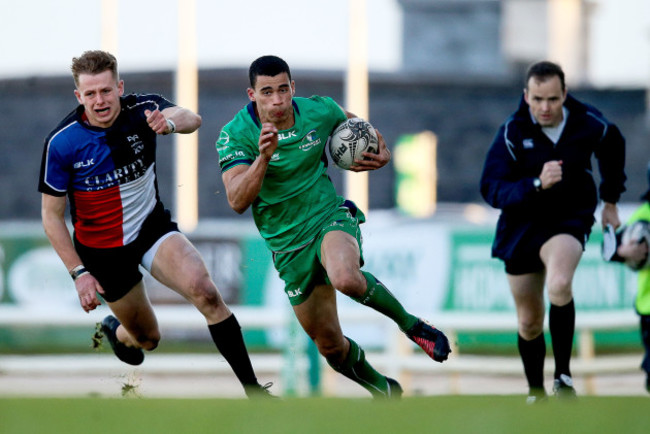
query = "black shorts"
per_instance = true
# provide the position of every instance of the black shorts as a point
(117, 269)
(526, 258)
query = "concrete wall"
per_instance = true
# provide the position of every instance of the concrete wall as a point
(453, 37)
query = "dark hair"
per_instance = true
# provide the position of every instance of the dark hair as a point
(269, 66)
(544, 70)
(93, 62)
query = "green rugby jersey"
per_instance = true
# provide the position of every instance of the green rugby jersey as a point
(296, 195)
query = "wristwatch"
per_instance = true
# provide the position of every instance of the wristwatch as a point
(537, 183)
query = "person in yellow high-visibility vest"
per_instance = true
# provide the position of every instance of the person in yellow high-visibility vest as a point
(634, 252)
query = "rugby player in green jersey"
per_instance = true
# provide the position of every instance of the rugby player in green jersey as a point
(272, 157)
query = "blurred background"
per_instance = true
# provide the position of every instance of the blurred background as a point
(441, 76)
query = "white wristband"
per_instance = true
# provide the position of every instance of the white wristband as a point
(171, 125)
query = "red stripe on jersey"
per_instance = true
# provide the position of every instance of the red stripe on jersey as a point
(99, 218)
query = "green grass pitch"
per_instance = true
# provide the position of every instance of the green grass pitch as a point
(439, 414)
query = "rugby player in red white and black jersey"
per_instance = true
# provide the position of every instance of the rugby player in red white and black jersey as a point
(102, 158)
(107, 173)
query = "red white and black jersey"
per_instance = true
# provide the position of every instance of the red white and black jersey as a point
(108, 174)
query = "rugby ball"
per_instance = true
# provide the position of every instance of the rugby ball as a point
(350, 140)
(637, 232)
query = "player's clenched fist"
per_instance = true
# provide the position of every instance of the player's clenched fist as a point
(551, 174)
(157, 122)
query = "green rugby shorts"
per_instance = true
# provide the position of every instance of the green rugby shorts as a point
(301, 269)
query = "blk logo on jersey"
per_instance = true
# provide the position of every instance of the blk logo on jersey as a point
(528, 144)
(287, 135)
(295, 293)
(83, 164)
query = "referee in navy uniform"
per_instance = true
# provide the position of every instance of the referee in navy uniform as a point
(538, 172)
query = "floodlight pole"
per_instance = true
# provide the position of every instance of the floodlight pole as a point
(356, 91)
(109, 23)
(566, 36)
(186, 145)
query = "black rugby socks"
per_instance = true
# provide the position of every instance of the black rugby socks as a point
(229, 340)
(561, 324)
(532, 354)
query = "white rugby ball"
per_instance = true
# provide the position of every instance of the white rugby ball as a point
(638, 232)
(350, 140)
